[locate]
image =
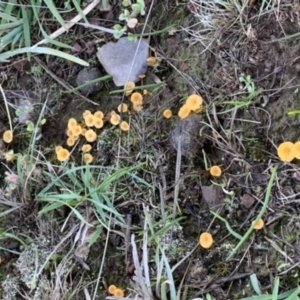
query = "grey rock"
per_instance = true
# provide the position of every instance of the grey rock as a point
(124, 60)
(87, 75)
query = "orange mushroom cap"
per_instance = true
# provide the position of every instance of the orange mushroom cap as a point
(259, 225)
(215, 171)
(89, 120)
(115, 119)
(184, 112)
(112, 288)
(286, 151)
(8, 136)
(86, 112)
(76, 131)
(167, 113)
(87, 158)
(124, 126)
(119, 293)
(152, 61)
(297, 150)
(75, 137)
(129, 86)
(62, 154)
(99, 114)
(90, 135)
(198, 110)
(57, 148)
(69, 132)
(206, 240)
(137, 107)
(86, 148)
(136, 98)
(71, 141)
(72, 123)
(123, 107)
(98, 122)
(194, 102)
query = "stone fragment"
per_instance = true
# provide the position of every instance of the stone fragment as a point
(124, 60)
(87, 75)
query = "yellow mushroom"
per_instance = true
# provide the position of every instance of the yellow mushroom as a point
(86, 148)
(286, 151)
(89, 120)
(57, 148)
(123, 108)
(137, 107)
(167, 113)
(206, 240)
(62, 154)
(87, 158)
(98, 122)
(119, 293)
(115, 119)
(136, 98)
(112, 288)
(71, 141)
(215, 171)
(69, 132)
(259, 225)
(8, 136)
(124, 126)
(76, 131)
(194, 102)
(184, 112)
(99, 114)
(86, 112)
(297, 150)
(90, 135)
(129, 87)
(72, 123)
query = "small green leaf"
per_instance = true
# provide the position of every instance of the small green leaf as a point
(126, 3)
(136, 7)
(30, 126)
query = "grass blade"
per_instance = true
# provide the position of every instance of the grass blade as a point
(255, 284)
(235, 234)
(10, 25)
(294, 294)
(5, 17)
(43, 50)
(79, 10)
(55, 13)
(26, 29)
(45, 35)
(275, 289)
(8, 38)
